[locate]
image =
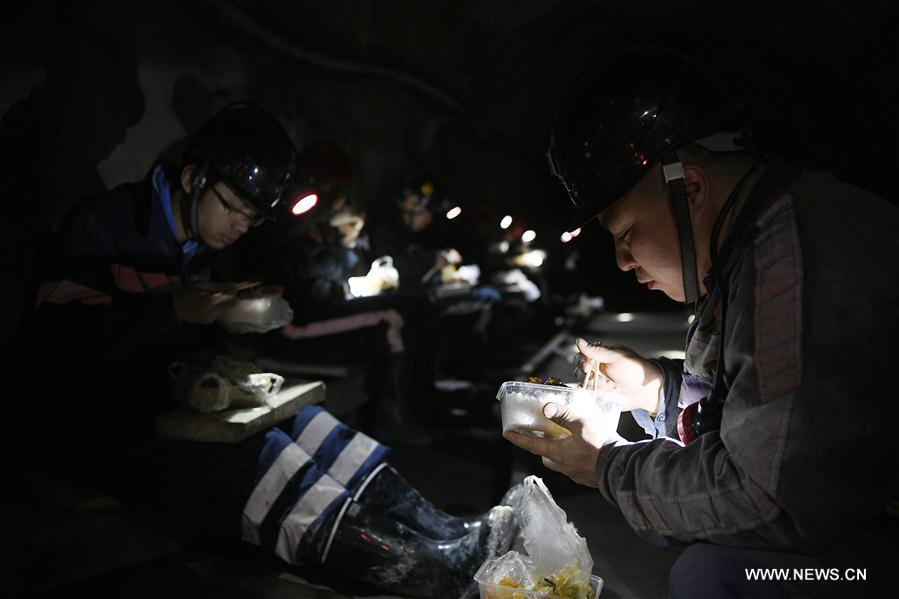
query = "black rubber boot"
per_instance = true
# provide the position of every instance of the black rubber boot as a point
(394, 421)
(373, 548)
(389, 492)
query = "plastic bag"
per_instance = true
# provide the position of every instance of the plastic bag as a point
(517, 278)
(382, 276)
(250, 386)
(555, 561)
(202, 391)
(225, 384)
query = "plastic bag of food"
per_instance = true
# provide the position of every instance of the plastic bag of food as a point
(225, 384)
(200, 390)
(250, 386)
(381, 277)
(556, 561)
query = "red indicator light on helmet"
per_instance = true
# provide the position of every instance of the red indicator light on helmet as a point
(304, 204)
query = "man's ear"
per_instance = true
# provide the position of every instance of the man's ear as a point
(187, 178)
(696, 182)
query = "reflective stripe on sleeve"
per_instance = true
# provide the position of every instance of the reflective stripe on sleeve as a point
(350, 323)
(63, 292)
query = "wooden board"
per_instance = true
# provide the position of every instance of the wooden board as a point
(232, 426)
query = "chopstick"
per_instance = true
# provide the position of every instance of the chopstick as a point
(237, 287)
(430, 274)
(589, 376)
(247, 285)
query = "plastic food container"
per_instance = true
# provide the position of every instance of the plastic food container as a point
(490, 590)
(522, 404)
(259, 311)
(252, 309)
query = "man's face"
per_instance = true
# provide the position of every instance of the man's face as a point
(222, 216)
(416, 215)
(643, 227)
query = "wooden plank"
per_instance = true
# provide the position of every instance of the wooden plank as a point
(233, 426)
(287, 367)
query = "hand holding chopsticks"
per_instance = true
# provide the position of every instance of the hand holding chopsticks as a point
(621, 370)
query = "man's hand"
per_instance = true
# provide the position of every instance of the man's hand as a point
(452, 256)
(574, 455)
(204, 302)
(348, 224)
(349, 232)
(446, 258)
(623, 370)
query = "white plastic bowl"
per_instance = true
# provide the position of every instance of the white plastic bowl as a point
(522, 404)
(255, 310)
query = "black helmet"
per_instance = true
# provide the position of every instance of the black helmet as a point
(247, 148)
(623, 114)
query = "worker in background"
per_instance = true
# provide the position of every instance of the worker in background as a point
(128, 290)
(770, 444)
(413, 234)
(421, 232)
(312, 253)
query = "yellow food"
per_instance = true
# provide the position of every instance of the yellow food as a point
(565, 586)
(561, 585)
(549, 381)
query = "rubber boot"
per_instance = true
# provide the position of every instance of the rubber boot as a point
(389, 492)
(373, 548)
(394, 421)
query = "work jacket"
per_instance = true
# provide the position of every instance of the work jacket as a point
(805, 451)
(103, 330)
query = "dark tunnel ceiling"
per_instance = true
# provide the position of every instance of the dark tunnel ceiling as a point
(811, 72)
(814, 73)
(492, 55)
(468, 88)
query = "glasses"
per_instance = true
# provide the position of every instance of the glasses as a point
(252, 220)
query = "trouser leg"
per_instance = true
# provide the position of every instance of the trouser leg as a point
(395, 421)
(344, 453)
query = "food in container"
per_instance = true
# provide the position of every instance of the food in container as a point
(257, 310)
(509, 589)
(551, 561)
(253, 305)
(521, 405)
(225, 384)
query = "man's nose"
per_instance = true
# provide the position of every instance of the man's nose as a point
(623, 257)
(242, 226)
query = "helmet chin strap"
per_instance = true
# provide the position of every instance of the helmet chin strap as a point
(190, 210)
(673, 170)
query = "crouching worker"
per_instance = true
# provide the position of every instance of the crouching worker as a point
(127, 292)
